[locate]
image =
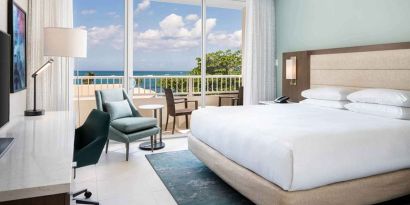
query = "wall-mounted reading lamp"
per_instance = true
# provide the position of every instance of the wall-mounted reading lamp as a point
(291, 70)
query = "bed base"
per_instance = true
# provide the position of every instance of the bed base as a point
(369, 190)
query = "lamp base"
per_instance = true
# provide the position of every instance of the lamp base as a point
(34, 112)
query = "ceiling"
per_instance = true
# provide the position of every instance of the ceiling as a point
(229, 4)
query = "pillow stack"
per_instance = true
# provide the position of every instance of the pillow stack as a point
(381, 102)
(331, 97)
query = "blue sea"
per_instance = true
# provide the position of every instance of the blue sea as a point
(147, 83)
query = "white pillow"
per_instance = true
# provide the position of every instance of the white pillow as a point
(327, 93)
(380, 110)
(119, 109)
(399, 98)
(326, 103)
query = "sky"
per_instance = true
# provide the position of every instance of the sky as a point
(167, 36)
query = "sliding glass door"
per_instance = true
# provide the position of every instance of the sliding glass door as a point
(104, 66)
(146, 45)
(167, 44)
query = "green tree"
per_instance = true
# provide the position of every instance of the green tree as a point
(225, 62)
(89, 81)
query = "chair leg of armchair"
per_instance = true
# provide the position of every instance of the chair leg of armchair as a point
(106, 146)
(152, 143)
(166, 125)
(173, 126)
(127, 150)
(186, 122)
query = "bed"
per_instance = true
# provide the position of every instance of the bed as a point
(302, 154)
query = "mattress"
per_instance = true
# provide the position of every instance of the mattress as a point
(300, 147)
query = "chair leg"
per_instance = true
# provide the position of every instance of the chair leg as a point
(152, 143)
(106, 146)
(127, 147)
(85, 201)
(166, 125)
(173, 126)
(220, 102)
(186, 122)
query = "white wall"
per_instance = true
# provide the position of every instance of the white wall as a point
(17, 100)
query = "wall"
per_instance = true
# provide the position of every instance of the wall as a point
(17, 100)
(317, 24)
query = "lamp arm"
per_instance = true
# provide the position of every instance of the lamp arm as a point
(42, 68)
(34, 76)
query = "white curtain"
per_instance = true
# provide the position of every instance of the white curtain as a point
(259, 51)
(54, 86)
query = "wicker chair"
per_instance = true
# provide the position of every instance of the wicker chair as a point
(172, 111)
(234, 100)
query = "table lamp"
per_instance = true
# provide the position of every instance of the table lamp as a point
(59, 42)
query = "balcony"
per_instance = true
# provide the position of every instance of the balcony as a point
(149, 90)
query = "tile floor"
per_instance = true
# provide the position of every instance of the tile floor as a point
(114, 181)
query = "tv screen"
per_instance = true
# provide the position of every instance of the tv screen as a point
(5, 59)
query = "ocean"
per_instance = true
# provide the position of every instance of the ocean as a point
(146, 84)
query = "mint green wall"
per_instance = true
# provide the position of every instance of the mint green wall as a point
(318, 24)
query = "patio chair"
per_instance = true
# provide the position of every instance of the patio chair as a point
(172, 111)
(127, 124)
(234, 100)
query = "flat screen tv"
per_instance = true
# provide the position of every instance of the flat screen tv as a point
(5, 59)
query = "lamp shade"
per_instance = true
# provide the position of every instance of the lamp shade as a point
(291, 68)
(65, 42)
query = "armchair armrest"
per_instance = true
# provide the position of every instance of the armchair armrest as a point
(91, 153)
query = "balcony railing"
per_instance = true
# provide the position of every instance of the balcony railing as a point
(153, 85)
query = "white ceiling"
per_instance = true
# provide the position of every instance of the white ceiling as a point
(229, 4)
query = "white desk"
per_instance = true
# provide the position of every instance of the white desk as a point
(39, 163)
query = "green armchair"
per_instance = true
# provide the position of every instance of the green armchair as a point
(125, 128)
(88, 144)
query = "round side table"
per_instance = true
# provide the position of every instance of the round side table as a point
(157, 144)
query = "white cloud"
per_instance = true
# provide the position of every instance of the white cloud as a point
(113, 14)
(192, 17)
(88, 11)
(145, 4)
(173, 33)
(230, 40)
(112, 35)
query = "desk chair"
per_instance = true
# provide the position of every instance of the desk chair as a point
(89, 142)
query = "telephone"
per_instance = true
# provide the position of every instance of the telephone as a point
(283, 99)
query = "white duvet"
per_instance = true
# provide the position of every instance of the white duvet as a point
(300, 147)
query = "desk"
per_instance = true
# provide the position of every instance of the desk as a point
(39, 163)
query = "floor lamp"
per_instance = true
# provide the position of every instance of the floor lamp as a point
(59, 42)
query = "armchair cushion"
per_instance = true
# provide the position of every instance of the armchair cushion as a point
(119, 109)
(133, 124)
(112, 95)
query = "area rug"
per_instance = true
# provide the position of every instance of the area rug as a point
(190, 182)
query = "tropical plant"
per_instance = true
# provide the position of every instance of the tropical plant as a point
(89, 80)
(222, 62)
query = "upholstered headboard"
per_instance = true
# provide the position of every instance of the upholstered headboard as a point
(375, 66)
(380, 67)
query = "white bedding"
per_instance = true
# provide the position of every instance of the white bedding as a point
(300, 147)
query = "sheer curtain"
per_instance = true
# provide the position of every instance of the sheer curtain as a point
(259, 51)
(54, 86)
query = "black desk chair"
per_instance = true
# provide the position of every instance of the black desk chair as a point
(89, 142)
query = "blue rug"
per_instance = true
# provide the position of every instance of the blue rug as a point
(190, 182)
